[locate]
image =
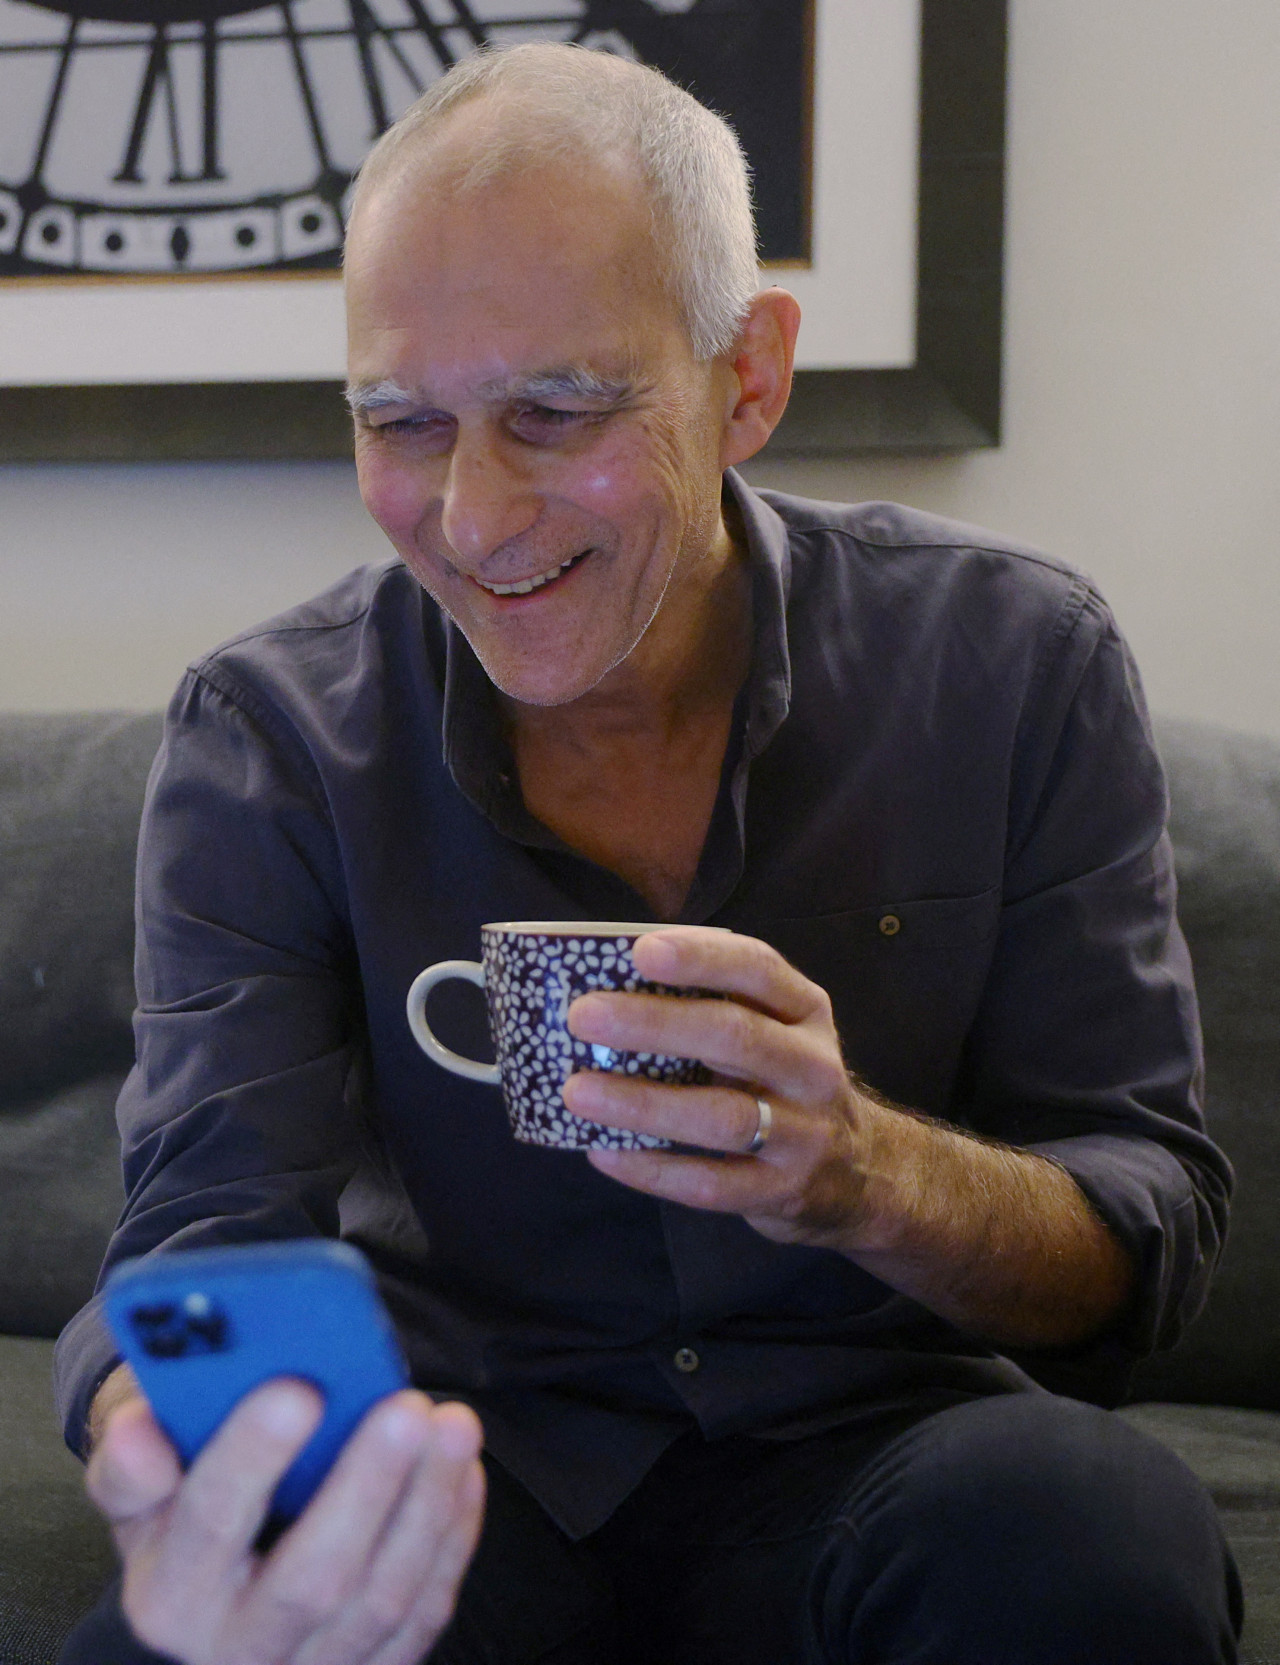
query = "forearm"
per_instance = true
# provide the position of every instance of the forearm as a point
(1000, 1242)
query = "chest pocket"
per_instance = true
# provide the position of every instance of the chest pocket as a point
(905, 980)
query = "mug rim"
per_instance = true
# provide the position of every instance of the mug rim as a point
(574, 927)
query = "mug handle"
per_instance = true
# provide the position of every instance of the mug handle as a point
(416, 1010)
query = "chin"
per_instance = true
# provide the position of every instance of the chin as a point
(536, 687)
(539, 680)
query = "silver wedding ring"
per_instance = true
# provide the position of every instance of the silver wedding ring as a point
(763, 1127)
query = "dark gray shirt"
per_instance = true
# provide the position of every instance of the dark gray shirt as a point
(941, 802)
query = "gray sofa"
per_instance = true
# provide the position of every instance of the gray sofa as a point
(70, 791)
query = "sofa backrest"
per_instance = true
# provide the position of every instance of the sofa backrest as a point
(1225, 791)
(71, 790)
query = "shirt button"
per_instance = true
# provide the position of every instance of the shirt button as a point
(890, 925)
(686, 1360)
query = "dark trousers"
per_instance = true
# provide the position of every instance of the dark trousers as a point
(1016, 1530)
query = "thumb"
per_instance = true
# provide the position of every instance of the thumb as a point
(134, 1469)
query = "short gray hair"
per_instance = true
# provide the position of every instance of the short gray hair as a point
(559, 100)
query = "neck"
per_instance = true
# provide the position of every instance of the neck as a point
(628, 774)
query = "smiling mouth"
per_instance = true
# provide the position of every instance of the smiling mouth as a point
(525, 586)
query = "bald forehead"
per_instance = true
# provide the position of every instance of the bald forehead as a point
(499, 137)
(511, 252)
(566, 106)
(594, 211)
(420, 221)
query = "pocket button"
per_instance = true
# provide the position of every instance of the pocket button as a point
(890, 925)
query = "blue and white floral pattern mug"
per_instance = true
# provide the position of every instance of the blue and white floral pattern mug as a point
(531, 972)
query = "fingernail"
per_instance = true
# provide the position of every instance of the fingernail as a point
(660, 955)
(582, 1091)
(589, 1017)
(401, 1428)
(287, 1413)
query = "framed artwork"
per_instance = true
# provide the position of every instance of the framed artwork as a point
(174, 176)
(176, 137)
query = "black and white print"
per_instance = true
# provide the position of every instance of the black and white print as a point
(530, 981)
(148, 137)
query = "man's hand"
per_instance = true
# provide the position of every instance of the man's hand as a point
(1000, 1242)
(367, 1575)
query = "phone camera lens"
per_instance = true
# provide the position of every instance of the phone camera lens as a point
(168, 1331)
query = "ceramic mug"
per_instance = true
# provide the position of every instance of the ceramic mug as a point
(531, 972)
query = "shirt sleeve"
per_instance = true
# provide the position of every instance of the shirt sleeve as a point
(236, 1121)
(1087, 1047)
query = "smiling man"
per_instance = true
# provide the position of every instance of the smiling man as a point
(754, 1404)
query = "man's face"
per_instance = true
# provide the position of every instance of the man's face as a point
(533, 433)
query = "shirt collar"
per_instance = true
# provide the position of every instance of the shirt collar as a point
(476, 750)
(769, 560)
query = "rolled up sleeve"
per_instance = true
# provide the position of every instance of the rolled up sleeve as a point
(236, 1122)
(1087, 1047)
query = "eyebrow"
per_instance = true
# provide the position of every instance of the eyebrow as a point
(571, 382)
(376, 395)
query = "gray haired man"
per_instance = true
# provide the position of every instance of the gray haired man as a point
(890, 783)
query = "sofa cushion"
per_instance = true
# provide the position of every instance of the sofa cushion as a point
(1236, 1453)
(55, 1551)
(60, 1195)
(1225, 790)
(70, 799)
(71, 791)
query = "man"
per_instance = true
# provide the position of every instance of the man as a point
(749, 1405)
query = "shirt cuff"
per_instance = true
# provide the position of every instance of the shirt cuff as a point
(1144, 1194)
(84, 1357)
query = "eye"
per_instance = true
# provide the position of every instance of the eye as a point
(540, 423)
(432, 427)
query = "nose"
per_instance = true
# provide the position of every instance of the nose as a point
(488, 498)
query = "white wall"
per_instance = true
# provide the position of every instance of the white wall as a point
(113, 577)
(1142, 404)
(1142, 382)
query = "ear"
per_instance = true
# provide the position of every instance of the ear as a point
(759, 380)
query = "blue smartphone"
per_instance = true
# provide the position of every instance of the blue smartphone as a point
(203, 1327)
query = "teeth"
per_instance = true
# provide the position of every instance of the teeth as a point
(526, 585)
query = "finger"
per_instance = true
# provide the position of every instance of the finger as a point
(735, 1185)
(728, 1038)
(134, 1469)
(424, 1550)
(744, 967)
(201, 1551)
(224, 1499)
(714, 1118)
(437, 1597)
(317, 1571)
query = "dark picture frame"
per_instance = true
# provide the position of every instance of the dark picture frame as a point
(948, 400)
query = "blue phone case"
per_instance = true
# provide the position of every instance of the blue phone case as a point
(202, 1327)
